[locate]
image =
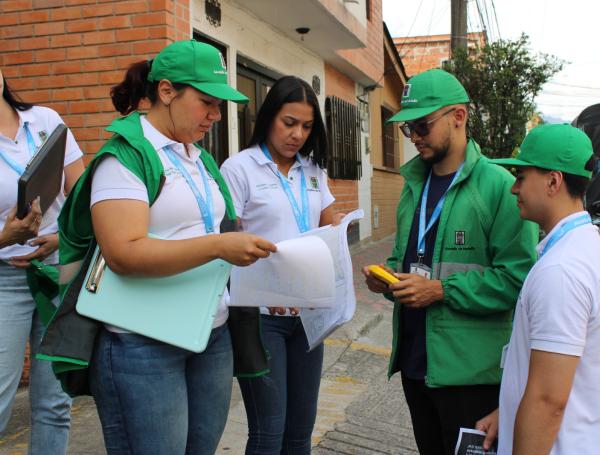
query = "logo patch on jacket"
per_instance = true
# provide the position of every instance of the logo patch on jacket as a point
(459, 237)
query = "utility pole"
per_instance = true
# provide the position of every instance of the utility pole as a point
(458, 38)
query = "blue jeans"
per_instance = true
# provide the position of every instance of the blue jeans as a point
(282, 406)
(50, 406)
(157, 399)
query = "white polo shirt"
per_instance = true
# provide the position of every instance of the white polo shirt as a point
(260, 201)
(41, 122)
(175, 214)
(559, 311)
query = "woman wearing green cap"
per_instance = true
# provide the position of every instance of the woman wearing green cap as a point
(151, 178)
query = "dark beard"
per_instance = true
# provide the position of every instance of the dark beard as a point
(439, 154)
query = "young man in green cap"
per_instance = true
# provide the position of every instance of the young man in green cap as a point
(550, 394)
(461, 255)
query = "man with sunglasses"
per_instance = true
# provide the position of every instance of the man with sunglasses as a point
(461, 255)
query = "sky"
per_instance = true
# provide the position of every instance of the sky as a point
(568, 30)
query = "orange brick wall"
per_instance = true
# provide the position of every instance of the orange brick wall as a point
(420, 53)
(66, 54)
(386, 188)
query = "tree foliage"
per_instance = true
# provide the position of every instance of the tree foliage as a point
(502, 80)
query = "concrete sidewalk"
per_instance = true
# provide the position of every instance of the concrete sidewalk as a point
(359, 411)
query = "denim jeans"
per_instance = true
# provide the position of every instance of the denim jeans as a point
(282, 406)
(157, 399)
(50, 406)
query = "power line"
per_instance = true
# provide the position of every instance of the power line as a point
(411, 27)
(496, 18)
(570, 95)
(573, 86)
(427, 34)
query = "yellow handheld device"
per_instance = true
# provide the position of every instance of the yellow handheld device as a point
(381, 274)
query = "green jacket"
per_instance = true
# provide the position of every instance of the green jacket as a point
(69, 338)
(483, 251)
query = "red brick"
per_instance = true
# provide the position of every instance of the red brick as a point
(125, 62)
(114, 22)
(97, 11)
(131, 7)
(133, 34)
(36, 96)
(149, 47)
(81, 79)
(99, 37)
(66, 67)
(80, 2)
(18, 58)
(49, 28)
(50, 55)
(161, 32)
(72, 39)
(82, 107)
(97, 92)
(142, 20)
(109, 50)
(61, 14)
(74, 121)
(18, 31)
(103, 119)
(34, 16)
(11, 71)
(9, 19)
(82, 52)
(51, 81)
(61, 108)
(35, 43)
(100, 64)
(111, 77)
(37, 69)
(15, 5)
(87, 134)
(85, 25)
(68, 94)
(10, 45)
(38, 4)
(158, 5)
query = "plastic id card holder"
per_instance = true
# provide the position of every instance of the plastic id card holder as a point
(178, 309)
(421, 270)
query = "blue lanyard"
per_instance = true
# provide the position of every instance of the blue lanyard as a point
(564, 229)
(423, 230)
(32, 150)
(205, 206)
(302, 217)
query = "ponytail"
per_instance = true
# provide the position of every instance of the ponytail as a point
(127, 95)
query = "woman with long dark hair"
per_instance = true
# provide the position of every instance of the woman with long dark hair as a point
(27, 258)
(279, 189)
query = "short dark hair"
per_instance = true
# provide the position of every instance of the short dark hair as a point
(291, 89)
(576, 184)
(14, 100)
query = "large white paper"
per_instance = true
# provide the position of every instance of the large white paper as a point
(320, 323)
(300, 274)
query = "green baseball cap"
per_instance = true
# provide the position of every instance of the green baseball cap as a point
(556, 148)
(197, 64)
(427, 92)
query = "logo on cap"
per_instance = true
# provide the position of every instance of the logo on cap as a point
(223, 65)
(406, 91)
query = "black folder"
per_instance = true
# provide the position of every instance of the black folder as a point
(43, 175)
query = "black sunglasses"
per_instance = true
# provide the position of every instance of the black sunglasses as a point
(421, 127)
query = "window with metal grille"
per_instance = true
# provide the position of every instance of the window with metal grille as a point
(388, 139)
(343, 131)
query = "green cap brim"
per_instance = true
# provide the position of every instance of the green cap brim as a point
(220, 91)
(407, 114)
(512, 162)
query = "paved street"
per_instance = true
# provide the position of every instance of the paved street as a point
(359, 412)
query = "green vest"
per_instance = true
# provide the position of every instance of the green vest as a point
(69, 339)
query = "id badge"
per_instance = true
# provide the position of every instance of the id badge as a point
(421, 270)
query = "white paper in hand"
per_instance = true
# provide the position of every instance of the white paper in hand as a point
(300, 274)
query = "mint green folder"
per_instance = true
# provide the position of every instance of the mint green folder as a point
(178, 309)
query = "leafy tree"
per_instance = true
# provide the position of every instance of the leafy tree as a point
(502, 80)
